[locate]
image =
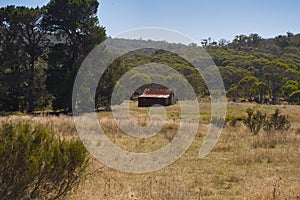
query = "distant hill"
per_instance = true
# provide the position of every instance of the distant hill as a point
(252, 68)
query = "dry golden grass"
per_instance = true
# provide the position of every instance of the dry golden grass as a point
(63, 125)
(241, 166)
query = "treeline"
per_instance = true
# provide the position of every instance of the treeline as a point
(41, 50)
(261, 70)
(252, 68)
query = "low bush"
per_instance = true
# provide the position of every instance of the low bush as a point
(36, 164)
(277, 122)
(257, 120)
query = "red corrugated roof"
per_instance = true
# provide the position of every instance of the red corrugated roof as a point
(156, 93)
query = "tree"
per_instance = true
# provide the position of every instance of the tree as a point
(254, 39)
(204, 42)
(34, 43)
(223, 42)
(281, 41)
(289, 87)
(246, 84)
(274, 77)
(26, 41)
(295, 97)
(233, 92)
(239, 40)
(290, 34)
(10, 70)
(232, 75)
(259, 89)
(77, 31)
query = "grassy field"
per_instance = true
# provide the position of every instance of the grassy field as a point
(241, 166)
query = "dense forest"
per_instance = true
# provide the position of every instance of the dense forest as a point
(264, 70)
(41, 50)
(252, 68)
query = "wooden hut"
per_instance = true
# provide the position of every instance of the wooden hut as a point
(150, 97)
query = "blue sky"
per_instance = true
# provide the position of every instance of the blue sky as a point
(197, 19)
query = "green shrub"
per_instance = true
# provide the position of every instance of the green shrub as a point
(277, 122)
(281, 122)
(36, 164)
(255, 120)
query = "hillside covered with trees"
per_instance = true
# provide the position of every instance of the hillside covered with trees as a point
(266, 70)
(41, 50)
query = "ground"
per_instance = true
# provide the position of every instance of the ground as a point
(241, 165)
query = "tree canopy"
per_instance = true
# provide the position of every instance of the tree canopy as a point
(41, 50)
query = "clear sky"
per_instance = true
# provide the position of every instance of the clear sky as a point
(197, 19)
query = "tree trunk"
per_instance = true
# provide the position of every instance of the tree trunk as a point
(31, 86)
